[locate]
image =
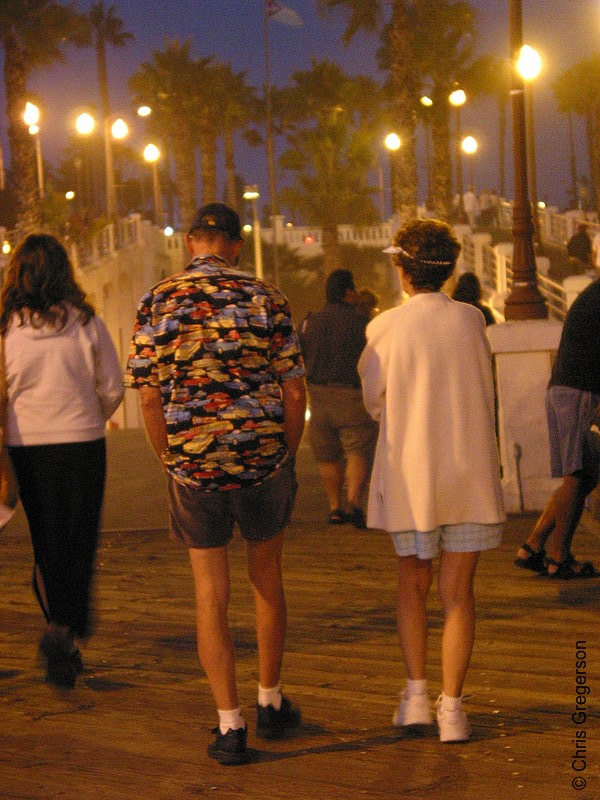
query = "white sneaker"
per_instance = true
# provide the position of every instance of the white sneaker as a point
(453, 725)
(414, 709)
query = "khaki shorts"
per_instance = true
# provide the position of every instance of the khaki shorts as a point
(206, 519)
(339, 423)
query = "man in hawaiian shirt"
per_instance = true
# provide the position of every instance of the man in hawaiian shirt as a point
(221, 382)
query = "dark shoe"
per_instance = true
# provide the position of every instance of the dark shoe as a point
(356, 517)
(230, 747)
(534, 561)
(570, 569)
(61, 666)
(336, 517)
(272, 724)
(76, 660)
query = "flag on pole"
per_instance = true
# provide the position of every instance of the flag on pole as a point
(283, 14)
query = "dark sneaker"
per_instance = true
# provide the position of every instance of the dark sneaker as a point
(272, 724)
(230, 747)
(61, 670)
(356, 517)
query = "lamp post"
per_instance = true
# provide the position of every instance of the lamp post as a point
(85, 125)
(469, 147)
(251, 193)
(393, 143)
(529, 65)
(32, 117)
(152, 154)
(457, 99)
(525, 300)
(427, 102)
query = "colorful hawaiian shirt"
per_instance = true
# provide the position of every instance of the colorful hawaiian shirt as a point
(218, 343)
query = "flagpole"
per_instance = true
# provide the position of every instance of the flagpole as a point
(270, 148)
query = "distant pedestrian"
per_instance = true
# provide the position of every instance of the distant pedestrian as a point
(64, 382)
(579, 249)
(367, 303)
(427, 378)
(221, 382)
(342, 434)
(471, 205)
(468, 290)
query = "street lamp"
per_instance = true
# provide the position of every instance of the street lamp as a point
(525, 300)
(31, 118)
(251, 193)
(152, 154)
(469, 147)
(529, 65)
(393, 144)
(457, 99)
(427, 102)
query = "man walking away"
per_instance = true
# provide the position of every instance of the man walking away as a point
(221, 382)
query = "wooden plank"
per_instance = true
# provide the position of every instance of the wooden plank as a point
(138, 722)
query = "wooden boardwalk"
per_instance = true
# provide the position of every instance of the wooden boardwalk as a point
(138, 722)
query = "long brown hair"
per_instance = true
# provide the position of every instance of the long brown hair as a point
(39, 284)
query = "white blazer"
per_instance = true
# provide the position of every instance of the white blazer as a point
(426, 376)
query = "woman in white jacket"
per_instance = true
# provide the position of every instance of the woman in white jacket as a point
(426, 376)
(64, 381)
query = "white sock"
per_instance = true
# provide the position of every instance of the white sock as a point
(416, 687)
(230, 720)
(270, 697)
(451, 703)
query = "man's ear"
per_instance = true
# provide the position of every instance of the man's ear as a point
(189, 243)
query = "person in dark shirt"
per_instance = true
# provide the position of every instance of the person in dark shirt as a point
(468, 290)
(342, 434)
(572, 396)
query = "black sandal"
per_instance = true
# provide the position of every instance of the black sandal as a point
(336, 517)
(570, 569)
(534, 561)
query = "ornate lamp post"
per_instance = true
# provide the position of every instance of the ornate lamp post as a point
(529, 65)
(524, 300)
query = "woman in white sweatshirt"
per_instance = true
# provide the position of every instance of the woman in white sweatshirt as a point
(64, 382)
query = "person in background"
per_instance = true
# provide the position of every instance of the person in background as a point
(572, 396)
(468, 290)
(427, 378)
(579, 249)
(342, 435)
(221, 380)
(367, 303)
(64, 382)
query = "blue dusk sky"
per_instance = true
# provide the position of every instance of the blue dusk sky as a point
(232, 31)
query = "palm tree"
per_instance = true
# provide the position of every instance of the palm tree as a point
(332, 121)
(397, 56)
(106, 29)
(33, 34)
(490, 75)
(239, 109)
(577, 91)
(444, 40)
(169, 84)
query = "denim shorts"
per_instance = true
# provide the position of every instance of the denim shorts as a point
(206, 519)
(568, 413)
(469, 537)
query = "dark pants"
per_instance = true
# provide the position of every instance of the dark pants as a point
(61, 487)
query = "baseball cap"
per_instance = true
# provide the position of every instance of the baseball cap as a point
(217, 217)
(392, 249)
